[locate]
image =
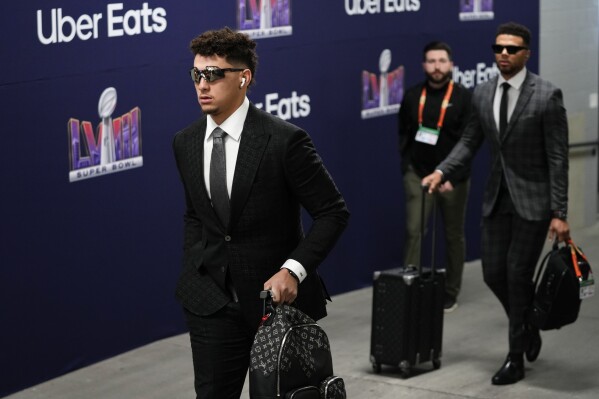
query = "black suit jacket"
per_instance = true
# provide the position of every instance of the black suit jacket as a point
(278, 171)
(532, 155)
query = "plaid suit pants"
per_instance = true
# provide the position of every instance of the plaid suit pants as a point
(511, 247)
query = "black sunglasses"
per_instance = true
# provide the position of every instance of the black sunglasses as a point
(498, 49)
(211, 73)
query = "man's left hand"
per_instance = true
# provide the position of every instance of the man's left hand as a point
(283, 286)
(446, 187)
(559, 229)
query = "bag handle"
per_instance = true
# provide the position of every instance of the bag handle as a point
(578, 250)
(422, 228)
(268, 306)
(573, 251)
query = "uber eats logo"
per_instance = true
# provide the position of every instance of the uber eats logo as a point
(61, 26)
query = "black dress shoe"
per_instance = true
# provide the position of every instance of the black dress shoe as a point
(534, 348)
(511, 372)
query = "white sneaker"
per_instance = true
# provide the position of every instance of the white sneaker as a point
(450, 305)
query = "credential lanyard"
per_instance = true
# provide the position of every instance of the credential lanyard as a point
(444, 105)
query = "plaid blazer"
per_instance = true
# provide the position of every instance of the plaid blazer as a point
(278, 171)
(532, 155)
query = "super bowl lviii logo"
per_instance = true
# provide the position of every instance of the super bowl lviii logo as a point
(114, 147)
(264, 18)
(382, 93)
(476, 10)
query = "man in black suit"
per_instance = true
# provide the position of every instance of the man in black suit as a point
(244, 192)
(527, 190)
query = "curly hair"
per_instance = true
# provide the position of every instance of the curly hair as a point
(237, 48)
(514, 29)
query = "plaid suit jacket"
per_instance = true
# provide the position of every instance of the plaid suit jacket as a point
(278, 171)
(532, 155)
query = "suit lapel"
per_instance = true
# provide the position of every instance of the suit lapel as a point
(487, 107)
(251, 149)
(526, 92)
(196, 160)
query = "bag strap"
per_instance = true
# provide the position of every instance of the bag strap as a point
(544, 262)
(268, 306)
(573, 250)
(578, 250)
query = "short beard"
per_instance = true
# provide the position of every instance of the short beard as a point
(509, 70)
(444, 79)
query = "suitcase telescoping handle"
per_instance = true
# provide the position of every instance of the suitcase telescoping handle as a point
(422, 228)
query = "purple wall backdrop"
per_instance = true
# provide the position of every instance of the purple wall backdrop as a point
(90, 250)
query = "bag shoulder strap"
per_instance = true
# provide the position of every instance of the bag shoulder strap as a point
(554, 249)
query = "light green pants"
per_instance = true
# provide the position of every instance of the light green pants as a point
(453, 210)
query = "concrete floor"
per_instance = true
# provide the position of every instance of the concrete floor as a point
(474, 346)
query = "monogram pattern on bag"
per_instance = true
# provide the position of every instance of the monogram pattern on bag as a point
(288, 328)
(333, 388)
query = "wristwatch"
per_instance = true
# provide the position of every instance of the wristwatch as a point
(563, 215)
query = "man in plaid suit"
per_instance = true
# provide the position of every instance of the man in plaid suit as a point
(527, 190)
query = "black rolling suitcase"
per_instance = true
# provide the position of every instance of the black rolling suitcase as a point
(407, 313)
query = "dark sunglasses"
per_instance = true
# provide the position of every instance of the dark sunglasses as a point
(498, 49)
(211, 73)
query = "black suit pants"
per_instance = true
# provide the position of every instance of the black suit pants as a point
(511, 247)
(220, 345)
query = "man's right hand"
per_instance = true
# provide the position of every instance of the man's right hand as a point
(433, 181)
(283, 287)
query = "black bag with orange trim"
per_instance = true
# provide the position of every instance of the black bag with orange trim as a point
(566, 279)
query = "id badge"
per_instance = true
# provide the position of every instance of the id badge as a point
(427, 135)
(587, 287)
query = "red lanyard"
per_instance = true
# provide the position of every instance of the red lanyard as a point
(444, 104)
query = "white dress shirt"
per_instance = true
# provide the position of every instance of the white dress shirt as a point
(233, 126)
(513, 94)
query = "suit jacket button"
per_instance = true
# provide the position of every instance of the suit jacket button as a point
(227, 238)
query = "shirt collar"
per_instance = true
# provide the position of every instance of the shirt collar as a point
(516, 80)
(233, 125)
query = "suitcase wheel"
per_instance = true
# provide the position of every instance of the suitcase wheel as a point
(376, 367)
(405, 370)
(436, 364)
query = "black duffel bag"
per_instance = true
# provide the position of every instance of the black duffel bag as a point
(558, 292)
(291, 356)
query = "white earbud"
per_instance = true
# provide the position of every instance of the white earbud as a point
(242, 82)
